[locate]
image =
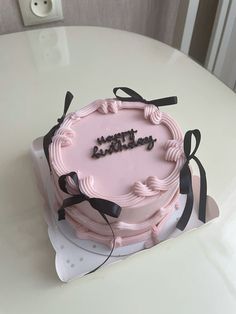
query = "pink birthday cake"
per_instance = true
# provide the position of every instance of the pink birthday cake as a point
(122, 154)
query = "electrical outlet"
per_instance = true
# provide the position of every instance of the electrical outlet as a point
(40, 11)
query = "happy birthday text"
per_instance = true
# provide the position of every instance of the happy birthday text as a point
(120, 142)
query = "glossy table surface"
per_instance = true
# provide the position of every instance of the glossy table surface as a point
(195, 273)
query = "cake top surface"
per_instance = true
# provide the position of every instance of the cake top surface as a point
(127, 152)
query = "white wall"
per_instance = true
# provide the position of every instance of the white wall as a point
(154, 18)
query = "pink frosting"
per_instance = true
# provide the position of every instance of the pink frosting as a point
(144, 183)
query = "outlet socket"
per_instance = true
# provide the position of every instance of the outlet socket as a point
(40, 11)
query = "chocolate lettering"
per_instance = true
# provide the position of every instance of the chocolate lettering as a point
(121, 141)
(95, 154)
(151, 142)
(109, 138)
(101, 140)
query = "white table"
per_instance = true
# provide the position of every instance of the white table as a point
(195, 273)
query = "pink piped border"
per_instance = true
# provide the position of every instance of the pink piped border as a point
(141, 190)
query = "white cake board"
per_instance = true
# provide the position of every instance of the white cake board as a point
(76, 257)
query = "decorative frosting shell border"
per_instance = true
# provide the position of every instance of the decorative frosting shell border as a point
(140, 190)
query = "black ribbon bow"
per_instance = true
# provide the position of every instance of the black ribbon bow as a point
(135, 97)
(47, 140)
(186, 181)
(101, 205)
(104, 207)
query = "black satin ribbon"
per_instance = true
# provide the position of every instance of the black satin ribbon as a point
(135, 97)
(186, 181)
(104, 207)
(47, 140)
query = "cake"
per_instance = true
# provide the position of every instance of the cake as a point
(120, 160)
